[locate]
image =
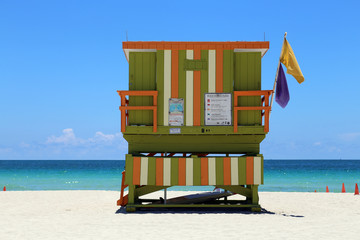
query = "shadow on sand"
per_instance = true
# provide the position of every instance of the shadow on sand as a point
(199, 210)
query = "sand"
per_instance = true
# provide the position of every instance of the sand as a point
(92, 215)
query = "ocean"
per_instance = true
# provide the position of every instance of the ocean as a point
(279, 175)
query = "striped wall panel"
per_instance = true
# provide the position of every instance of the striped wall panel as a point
(203, 171)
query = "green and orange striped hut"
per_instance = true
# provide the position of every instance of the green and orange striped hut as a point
(194, 115)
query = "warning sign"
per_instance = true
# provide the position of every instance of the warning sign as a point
(218, 109)
(176, 111)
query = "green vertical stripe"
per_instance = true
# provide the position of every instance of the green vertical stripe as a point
(204, 85)
(242, 170)
(228, 71)
(182, 79)
(160, 86)
(128, 169)
(152, 171)
(262, 168)
(174, 171)
(197, 171)
(219, 171)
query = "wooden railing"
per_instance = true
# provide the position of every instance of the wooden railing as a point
(265, 108)
(125, 107)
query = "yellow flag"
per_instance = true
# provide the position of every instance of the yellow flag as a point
(287, 57)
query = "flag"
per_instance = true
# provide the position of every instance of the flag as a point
(287, 57)
(282, 95)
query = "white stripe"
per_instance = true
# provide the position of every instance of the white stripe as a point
(144, 171)
(167, 171)
(167, 85)
(212, 171)
(189, 92)
(234, 171)
(212, 70)
(189, 172)
(257, 170)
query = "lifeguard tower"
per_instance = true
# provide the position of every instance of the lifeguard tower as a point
(194, 115)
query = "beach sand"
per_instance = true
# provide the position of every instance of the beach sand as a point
(92, 215)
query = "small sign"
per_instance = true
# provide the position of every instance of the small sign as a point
(176, 111)
(175, 130)
(218, 109)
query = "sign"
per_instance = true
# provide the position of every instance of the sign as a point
(218, 109)
(175, 130)
(176, 111)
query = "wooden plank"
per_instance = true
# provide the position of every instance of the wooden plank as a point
(242, 170)
(219, 70)
(136, 170)
(228, 71)
(174, 171)
(128, 169)
(204, 86)
(212, 71)
(144, 171)
(167, 172)
(160, 86)
(234, 171)
(159, 171)
(212, 171)
(257, 170)
(167, 85)
(182, 80)
(189, 107)
(189, 172)
(227, 171)
(174, 73)
(151, 171)
(197, 90)
(182, 171)
(197, 172)
(249, 170)
(204, 171)
(219, 171)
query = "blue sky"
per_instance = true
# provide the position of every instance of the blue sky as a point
(61, 63)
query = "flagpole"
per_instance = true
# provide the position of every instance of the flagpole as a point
(276, 76)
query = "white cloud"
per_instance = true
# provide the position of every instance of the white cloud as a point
(68, 137)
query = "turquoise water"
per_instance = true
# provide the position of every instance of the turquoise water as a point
(279, 175)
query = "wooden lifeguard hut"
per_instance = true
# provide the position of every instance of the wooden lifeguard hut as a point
(194, 115)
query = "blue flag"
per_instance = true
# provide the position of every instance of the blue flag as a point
(282, 95)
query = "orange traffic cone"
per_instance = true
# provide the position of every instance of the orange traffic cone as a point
(356, 189)
(4, 188)
(343, 188)
(327, 189)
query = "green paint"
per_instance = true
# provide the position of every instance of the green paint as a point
(142, 76)
(160, 86)
(204, 86)
(248, 77)
(128, 169)
(228, 71)
(182, 79)
(242, 170)
(174, 171)
(219, 171)
(247, 144)
(143, 190)
(152, 171)
(199, 130)
(195, 65)
(196, 171)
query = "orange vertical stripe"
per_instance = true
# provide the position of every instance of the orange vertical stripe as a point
(182, 171)
(159, 171)
(174, 73)
(227, 171)
(197, 87)
(136, 170)
(249, 170)
(204, 171)
(219, 70)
